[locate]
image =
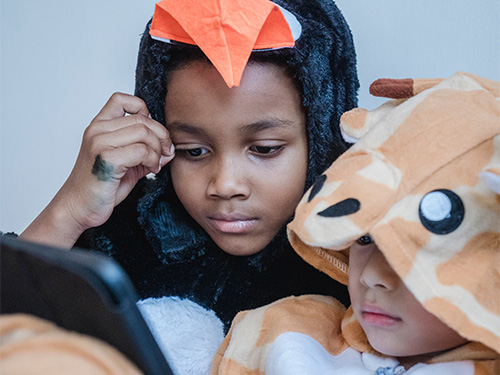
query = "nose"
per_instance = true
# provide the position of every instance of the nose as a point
(228, 179)
(377, 273)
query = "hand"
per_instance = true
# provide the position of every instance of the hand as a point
(121, 145)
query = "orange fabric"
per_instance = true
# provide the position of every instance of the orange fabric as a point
(30, 345)
(445, 138)
(225, 30)
(246, 348)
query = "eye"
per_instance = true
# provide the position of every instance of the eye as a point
(193, 152)
(441, 211)
(365, 240)
(266, 150)
(196, 152)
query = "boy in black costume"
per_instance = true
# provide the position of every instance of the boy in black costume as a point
(168, 253)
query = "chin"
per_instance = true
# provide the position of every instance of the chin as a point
(385, 348)
(241, 252)
(236, 249)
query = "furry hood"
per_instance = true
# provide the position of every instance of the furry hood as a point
(424, 182)
(323, 62)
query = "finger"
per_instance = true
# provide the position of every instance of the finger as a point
(119, 104)
(139, 124)
(129, 135)
(114, 163)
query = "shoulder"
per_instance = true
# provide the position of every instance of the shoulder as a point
(254, 331)
(305, 314)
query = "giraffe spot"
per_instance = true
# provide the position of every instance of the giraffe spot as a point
(346, 207)
(318, 185)
(479, 260)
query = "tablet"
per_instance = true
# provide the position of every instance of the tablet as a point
(79, 290)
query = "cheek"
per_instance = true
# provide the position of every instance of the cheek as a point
(185, 187)
(354, 273)
(354, 289)
(426, 322)
(429, 333)
(286, 184)
(294, 172)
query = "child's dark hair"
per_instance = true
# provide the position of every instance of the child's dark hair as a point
(322, 63)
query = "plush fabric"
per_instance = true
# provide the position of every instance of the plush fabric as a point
(313, 334)
(426, 176)
(424, 182)
(187, 333)
(30, 345)
(166, 253)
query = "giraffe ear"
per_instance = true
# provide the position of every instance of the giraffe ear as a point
(492, 178)
(355, 123)
(490, 175)
(352, 124)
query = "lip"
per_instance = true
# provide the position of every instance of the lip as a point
(234, 223)
(377, 316)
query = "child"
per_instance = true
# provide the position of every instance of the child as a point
(247, 139)
(424, 181)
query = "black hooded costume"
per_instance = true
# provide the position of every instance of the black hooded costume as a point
(165, 252)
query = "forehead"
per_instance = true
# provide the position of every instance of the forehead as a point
(197, 92)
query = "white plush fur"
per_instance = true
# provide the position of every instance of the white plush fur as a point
(187, 334)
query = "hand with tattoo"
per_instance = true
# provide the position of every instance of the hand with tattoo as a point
(121, 145)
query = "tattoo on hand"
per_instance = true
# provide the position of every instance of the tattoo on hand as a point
(102, 169)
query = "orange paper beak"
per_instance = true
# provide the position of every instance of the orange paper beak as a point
(225, 30)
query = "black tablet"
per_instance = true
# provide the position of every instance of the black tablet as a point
(79, 290)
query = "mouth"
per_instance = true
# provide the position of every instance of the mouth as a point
(233, 224)
(376, 316)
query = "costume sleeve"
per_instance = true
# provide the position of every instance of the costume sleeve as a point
(29, 345)
(245, 349)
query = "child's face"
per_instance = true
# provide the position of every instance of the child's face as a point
(241, 153)
(395, 323)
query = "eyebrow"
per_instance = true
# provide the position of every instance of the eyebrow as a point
(270, 123)
(183, 127)
(252, 128)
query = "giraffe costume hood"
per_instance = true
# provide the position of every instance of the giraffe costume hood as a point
(423, 179)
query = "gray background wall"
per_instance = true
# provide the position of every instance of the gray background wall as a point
(61, 60)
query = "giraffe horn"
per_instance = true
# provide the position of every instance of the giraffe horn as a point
(401, 88)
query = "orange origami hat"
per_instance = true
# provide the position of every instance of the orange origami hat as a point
(225, 30)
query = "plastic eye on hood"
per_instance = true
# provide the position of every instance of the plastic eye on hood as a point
(441, 211)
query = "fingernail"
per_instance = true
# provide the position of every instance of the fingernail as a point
(164, 160)
(172, 149)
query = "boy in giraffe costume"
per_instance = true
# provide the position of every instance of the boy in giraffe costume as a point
(409, 218)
